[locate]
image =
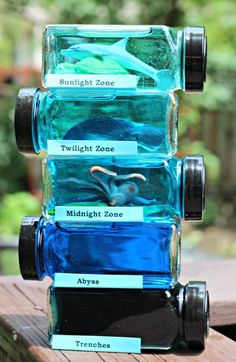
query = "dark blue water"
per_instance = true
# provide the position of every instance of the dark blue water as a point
(148, 249)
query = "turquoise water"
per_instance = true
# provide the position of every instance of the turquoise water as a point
(150, 119)
(111, 182)
(154, 54)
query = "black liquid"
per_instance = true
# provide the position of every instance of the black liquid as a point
(153, 316)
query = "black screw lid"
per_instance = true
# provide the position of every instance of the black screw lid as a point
(195, 58)
(196, 314)
(27, 257)
(193, 187)
(23, 120)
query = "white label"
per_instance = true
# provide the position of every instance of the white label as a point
(93, 148)
(98, 81)
(69, 280)
(96, 343)
(98, 213)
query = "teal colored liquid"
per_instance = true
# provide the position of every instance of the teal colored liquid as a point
(148, 119)
(153, 54)
(112, 182)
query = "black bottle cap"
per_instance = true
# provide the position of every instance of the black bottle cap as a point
(23, 120)
(193, 187)
(195, 58)
(196, 314)
(27, 248)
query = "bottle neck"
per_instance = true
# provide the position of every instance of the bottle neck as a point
(39, 250)
(36, 121)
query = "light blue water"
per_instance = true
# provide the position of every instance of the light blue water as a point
(101, 182)
(150, 119)
(154, 54)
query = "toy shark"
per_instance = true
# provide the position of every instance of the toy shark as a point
(116, 52)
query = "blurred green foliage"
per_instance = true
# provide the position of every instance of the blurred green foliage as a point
(212, 161)
(211, 212)
(9, 262)
(12, 164)
(13, 208)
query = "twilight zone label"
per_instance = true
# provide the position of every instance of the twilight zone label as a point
(73, 280)
(92, 148)
(96, 343)
(98, 213)
(97, 81)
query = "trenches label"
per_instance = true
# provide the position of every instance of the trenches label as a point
(96, 343)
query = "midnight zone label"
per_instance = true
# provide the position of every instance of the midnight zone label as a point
(97, 213)
(92, 214)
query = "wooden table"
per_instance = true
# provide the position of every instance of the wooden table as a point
(23, 321)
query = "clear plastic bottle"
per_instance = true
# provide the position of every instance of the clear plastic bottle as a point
(160, 318)
(148, 249)
(147, 121)
(113, 59)
(88, 190)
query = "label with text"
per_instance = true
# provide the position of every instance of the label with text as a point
(98, 81)
(71, 280)
(96, 343)
(99, 214)
(93, 148)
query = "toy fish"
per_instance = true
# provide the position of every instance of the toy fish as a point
(115, 52)
(110, 128)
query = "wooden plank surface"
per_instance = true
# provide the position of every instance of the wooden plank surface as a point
(23, 322)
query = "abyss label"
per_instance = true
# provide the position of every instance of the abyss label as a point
(73, 280)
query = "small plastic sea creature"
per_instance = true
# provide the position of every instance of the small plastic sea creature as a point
(109, 128)
(65, 68)
(108, 187)
(99, 65)
(116, 52)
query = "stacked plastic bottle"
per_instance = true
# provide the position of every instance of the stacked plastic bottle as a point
(114, 192)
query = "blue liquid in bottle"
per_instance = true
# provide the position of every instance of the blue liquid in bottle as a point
(148, 120)
(154, 189)
(148, 249)
(118, 59)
